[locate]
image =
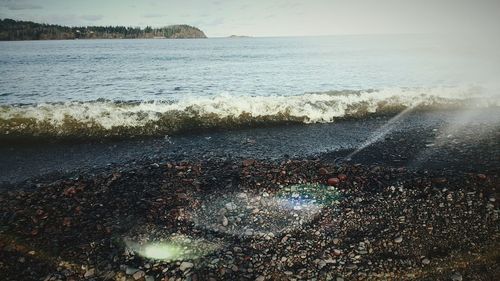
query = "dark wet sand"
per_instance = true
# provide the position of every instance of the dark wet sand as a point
(419, 204)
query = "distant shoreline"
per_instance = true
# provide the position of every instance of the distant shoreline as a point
(12, 30)
(104, 39)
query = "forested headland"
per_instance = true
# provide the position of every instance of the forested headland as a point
(11, 30)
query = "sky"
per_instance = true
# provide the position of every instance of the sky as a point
(219, 18)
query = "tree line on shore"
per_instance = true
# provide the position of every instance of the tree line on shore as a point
(11, 30)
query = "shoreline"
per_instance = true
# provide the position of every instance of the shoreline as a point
(420, 203)
(424, 132)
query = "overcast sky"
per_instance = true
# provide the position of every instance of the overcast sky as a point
(269, 17)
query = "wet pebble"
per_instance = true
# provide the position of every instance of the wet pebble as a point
(456, 276)
(138, 275)
(333, 181)
(185, 266)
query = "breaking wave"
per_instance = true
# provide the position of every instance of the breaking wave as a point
(103, 118)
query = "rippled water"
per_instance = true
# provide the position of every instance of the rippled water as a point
(68, 87)
(80, 70)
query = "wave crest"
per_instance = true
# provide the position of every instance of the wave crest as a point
(103, 118)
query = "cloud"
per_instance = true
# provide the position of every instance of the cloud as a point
(211, 23)
(18, 6)
(91, 17)
(153, 15)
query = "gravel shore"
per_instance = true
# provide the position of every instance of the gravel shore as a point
(380, 223)
(409, 207)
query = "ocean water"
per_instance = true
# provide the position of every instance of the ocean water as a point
(155, 87)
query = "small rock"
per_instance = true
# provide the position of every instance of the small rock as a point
(260, 278)
(456, 277)
(426, 261)
(248, 162)
(342, 177)
(130, 270)
(351, 267)
(323, 171)
(185, 266)
(139, 274)
(149, 278)
(89, 273)
(333, 181)
(439, 180)
(398, 240)
(230, 206)
(224, 221)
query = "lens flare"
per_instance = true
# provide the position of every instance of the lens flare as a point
(382, 131)
(162, 251)
(264, 214)
(176, 247)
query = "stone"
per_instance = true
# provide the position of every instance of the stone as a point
(398, 239)
(89, 273)
(230, 206)
(342, 177)
(351, 267)
(323, 171)
(224, 221)
(260, 278)
(456, 277)
(333, 181)
(248, 162)
(130, 270)
(139, 274)
(185, 266)
(426, 261)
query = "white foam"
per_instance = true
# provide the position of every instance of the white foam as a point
(310, 107)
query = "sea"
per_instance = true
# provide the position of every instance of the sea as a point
(133, 88)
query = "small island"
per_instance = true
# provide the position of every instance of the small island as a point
(12, 30)
(238, 36)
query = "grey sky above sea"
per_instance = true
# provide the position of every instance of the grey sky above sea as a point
(269, 18)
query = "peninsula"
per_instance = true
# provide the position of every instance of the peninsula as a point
(12, 30)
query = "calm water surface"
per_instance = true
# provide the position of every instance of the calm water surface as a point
(83, 70)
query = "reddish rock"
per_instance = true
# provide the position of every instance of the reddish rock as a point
(342, 177)
(69, 191)
(481, 176)
(67, 222)
(333, 181)
(439, 180)
(248, 162)
(323, 171)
